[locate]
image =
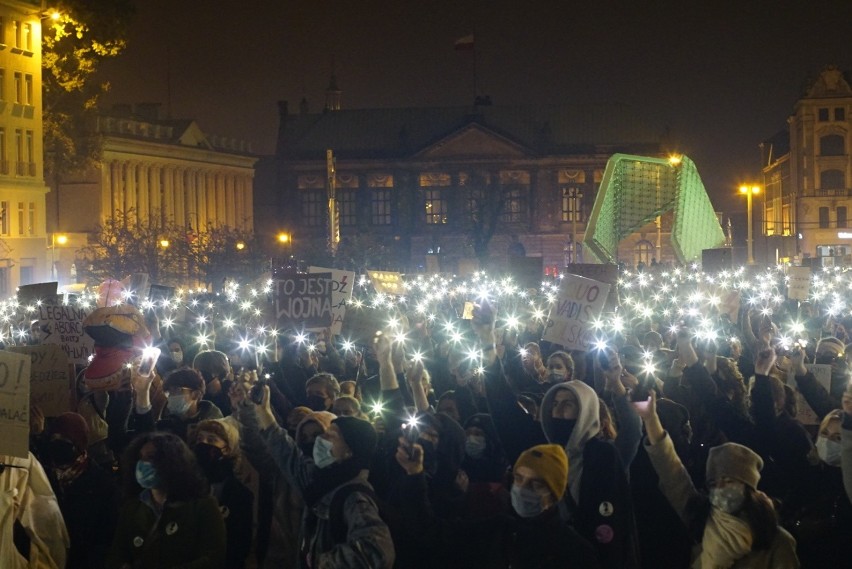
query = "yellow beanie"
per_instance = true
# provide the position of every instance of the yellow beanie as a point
(550, 463)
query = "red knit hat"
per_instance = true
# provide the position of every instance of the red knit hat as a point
(73, 427)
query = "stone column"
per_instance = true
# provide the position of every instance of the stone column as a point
(130, 190)
(168, 193)
(249, 202)
(142, 194)
(155, 202)
(191, 200)
(230, 201)
(117, 193)
(180, 197)
(106, 191)
(221, 205)
(210, 190)
(201, 197)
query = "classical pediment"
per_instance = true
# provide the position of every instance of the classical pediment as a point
(473, 141)
(193, 136)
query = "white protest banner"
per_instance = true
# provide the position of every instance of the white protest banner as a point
(580, 302)
(822, 373)
(386, 282)
(303, 300)
(341, 292)
(799, 285)
(62, 325)
(50, 381)
(14, 404)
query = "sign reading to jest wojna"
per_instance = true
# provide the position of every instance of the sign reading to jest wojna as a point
(579, 304)
(303, 300)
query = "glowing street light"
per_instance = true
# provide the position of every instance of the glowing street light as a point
(749, 191)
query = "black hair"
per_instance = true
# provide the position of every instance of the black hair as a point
(177, 470)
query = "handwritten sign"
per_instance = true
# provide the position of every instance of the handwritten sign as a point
(341, 293)
(62, 325)
(14, 404)
(580, 303)
(386, 282)
(805, 414)
(50, 381)
(29, 294)
(799, 285)
(304, 300)
(602, 272)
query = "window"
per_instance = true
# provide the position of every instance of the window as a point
(19, 152)
(16, 29)
(643, 253)
(769, 222)
(839, 114)
(572, 204)
(823, 217)
(313, 208)
(30, 154)
(28, 37)
(436, 206)
(26, 275)
(19, 87)
(4, 218)
(786, 220)
(28, 82)
(831, 145)
(31, 219)
(2, 84)
(822, 115)
(2, 30)
(21, 212)
(4, 281)
(832, 180)
(513, 205)
(347, 207)
(4, 164)
(380, 207)
(841, 216)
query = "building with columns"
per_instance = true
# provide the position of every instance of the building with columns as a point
(158, 171)
(807, 172)
(22, 188)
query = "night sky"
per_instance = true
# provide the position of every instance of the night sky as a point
(722, 75)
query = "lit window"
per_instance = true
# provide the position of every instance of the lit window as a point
(643, 253)
(28, 37)
(16, 26)
(19, 88)
(436, 207)
(572, 204)
(786, 220)
(28, 81)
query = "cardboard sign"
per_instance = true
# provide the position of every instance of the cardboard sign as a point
(14, 404)
(159, 293)
(341, 292)
(579, 304)
(63, 325)
(386, 282)
(822, 373)
(604, 273)
(29, 294)
(799, 285)
(303, 300)
(50, 381)
(362, 323)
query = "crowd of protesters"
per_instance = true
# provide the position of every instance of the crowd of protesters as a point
(672, 441)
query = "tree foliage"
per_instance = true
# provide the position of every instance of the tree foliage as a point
(84, 33)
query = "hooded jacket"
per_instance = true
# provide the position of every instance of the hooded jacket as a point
(598, 500)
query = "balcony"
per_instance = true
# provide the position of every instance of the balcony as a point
(832, 193)
(21, 168)
(4, 167)
(31, 168)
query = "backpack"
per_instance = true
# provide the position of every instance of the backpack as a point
(336, 517)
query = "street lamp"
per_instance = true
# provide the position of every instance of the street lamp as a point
(749, 191)
(56, 239)
(240, 245)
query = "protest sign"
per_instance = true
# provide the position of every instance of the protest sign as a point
(579, 304)
(362, 323)
(30, 294)
(386, 282)
(50, 380)
(303, 301)
(14, 404)
(602, 272)
(62, 325)
(341, 292)
(805, 414)
(799, 285)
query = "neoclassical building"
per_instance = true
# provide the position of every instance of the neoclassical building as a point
(164, 171)
(23, 257)
(422, 179)
(807, 173)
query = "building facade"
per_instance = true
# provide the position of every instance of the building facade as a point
(807, 171)
(158, 171)
(22, 187)
(432, 184)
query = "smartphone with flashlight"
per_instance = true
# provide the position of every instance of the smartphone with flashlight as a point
(412, 433)
(467, 311)
(149, 358)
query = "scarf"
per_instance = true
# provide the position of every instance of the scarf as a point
(726, 539)
(66, 476)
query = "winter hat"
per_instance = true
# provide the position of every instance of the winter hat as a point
(551, 463)
(360, 437)
(734, 461)
(223, 429)
(321, 418)
(835, 344)
(184, 377)
(73, 427)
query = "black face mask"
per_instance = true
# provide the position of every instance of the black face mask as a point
(307, 449)
(316, 403)
(62, 453)
(213, 462)
(561, 430)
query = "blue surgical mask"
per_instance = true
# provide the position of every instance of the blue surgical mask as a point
(322, 453)
(829, 451)
(526, 502)
(474, 446)
(146, 474)
(730, 498)
(178, 405)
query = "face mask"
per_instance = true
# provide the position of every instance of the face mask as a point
(829, 451)
(177, 357)
(561, 430)
(178, 405)
(474, 446)
(728, 499)
(316, 403)
(307, 448)
(526, 502)
(62, 453)
(558, 376)
(322, 453)
(212, 461)
(146, 474)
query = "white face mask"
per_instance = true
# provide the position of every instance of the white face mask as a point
(474, 446)
(557, 376)
(828, 450)
(730, 498)
(178, 405)
(322, 453)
